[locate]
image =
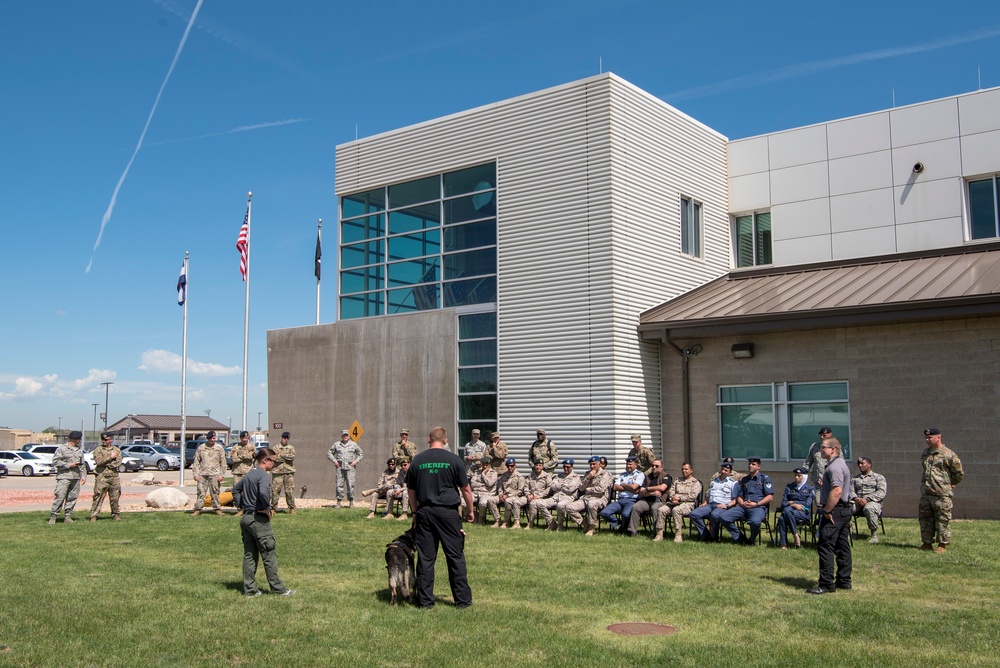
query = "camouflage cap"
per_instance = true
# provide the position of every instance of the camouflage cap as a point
(345, 432)
(540, 431)
(495, 434)
(404, 431)
(636, 437)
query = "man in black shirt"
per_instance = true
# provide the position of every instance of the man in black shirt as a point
(434, 483)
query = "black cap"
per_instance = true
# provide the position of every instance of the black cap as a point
(78, 436)
(633, 458)
(390, 461)
(933, 431)
(800, 470)
(285, 434)
(824, 431)
(753, 459)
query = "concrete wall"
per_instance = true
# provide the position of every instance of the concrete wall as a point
(387, 373)
(903, 378)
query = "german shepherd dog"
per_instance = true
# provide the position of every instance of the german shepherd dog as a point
(399, 563)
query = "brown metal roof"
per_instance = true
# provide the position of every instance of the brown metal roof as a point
(168, 423)
(948, 283)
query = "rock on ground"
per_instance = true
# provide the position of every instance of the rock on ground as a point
(145, 478)
(167, 497)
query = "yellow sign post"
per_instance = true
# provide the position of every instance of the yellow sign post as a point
(356, 431)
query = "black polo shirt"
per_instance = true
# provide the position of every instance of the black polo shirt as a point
(436, 475)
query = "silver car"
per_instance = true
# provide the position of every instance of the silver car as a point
(153, 455)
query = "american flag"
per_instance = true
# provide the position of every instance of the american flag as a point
(242, 243)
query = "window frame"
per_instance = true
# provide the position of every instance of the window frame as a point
(692, 228)
(782, 409)
(970, 229)
(754, 236)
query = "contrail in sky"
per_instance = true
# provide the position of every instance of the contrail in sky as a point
(114, 195)
(804, 69)
(241, 128)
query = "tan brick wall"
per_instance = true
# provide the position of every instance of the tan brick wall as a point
(903, 378)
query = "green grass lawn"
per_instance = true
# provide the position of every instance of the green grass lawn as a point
(164, 589)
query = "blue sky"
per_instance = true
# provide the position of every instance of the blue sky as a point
(261, 94)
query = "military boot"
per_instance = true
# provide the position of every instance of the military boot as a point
(367, 492)
(116, 517)
(93, 518)
(678, 536)
(941, 549)
(52, 519)
(874, 539)
(68, 520)
(659, 536)
(370, 515)
(402, 518)
(196, 513)
(291, 511)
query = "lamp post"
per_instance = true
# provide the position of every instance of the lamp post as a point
(59, 429)
(128, 430)
(107, 384)
(259, 413)
(95, 419)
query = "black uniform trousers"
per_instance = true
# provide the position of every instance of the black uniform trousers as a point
(440, 525)
(835, 544)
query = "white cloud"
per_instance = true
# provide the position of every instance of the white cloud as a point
(164, 361)
(49, 385)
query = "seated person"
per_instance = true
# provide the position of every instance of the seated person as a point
(484, 492)
(398, 492)
(538, 483)
(680, 500)
(650, 496)
(796, 503)
(594, 489)
(753, 494)
(626, 487)
(386, 481)
(868, 490)
(512, 488)
(721, 497)
(562, 490)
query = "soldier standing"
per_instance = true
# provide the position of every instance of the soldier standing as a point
(814, 462)
(345, 455)
(107, 459)
(404, 450)
(242, 456)
(942, 470)
(209, 468)
(473, 451)
(283, 474)
(71, 473)
(643, 456)
(543, 450)
(496, 451)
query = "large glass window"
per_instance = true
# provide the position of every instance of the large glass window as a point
(426, 231)
(752, 239)
(779, 421)
(690, 227)
(983, 208)
(477, 373)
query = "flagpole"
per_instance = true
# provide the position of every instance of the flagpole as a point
(319, 256)
(246, 321)
(184, 355)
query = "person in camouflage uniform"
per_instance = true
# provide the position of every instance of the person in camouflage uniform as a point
(107, 459)
(404, 450)
(71, 473)
(484, 492)
(562, 490)
(678, 502)
(543, 450)
(512, 489)
(242, 455)
(398, 491)
(593, 497)
(386, 481)
(345, 455)
(942, 470)
(539, 483)
(643, 456)
(209, 468)
(496, 451)
(283, 474)
(473, 451)
(868, 490)
(814, 461)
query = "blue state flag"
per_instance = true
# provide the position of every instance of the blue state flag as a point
(182, 285)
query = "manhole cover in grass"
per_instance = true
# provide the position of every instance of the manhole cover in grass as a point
(642, 629)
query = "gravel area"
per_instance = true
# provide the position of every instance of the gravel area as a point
(10, 499)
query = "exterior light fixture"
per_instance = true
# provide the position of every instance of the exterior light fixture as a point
(742, 350)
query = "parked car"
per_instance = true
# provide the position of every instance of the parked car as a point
(191, 447)
(41, 450)
(3, 470)
(153, 455)
(130, 464)
(26, 463)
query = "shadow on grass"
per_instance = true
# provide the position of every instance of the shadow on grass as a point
(234, 585)
(791, 582)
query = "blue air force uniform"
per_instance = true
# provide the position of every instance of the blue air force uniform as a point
(753, 489)
(791, 517)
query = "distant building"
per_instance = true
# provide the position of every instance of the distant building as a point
(14, 439)
(163, 429)
(589, 260)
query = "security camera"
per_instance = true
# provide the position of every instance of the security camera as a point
(918, 168)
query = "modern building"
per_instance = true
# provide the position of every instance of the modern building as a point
(589, 260)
